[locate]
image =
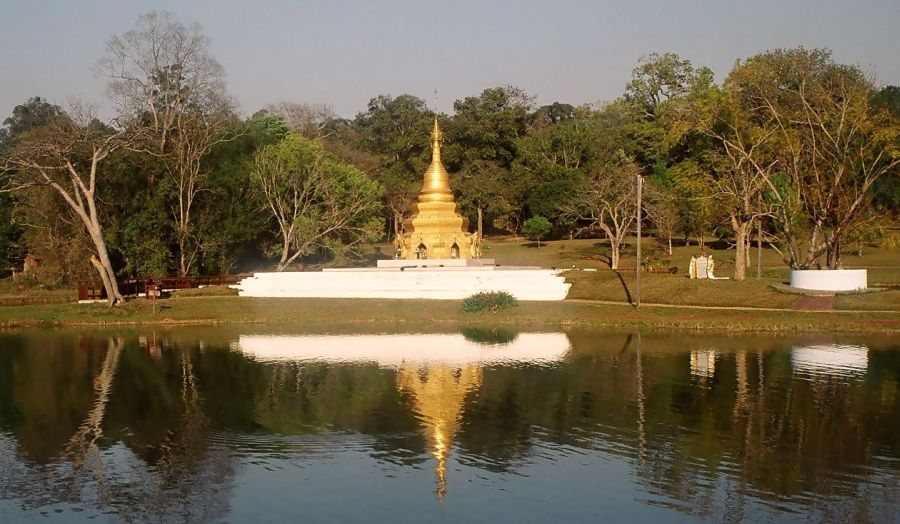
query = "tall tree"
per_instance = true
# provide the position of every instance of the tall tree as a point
(164, 79)
(69, 156)
(658, 138)
(35, 112)
(317, 202)
(830, 143)
(309, 120)
(607, 200)
(553, 159)
(397, 129)
(886, 190)
(481, 149)
(740, 168)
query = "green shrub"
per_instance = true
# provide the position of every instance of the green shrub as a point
(492, 301)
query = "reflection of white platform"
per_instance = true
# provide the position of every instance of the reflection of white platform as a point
(393, 350)
(830, 359)
(405, 283)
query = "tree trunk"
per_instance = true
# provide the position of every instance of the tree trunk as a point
(480, 223)
(182, 261)
(741, 235)
(749, 240)
(103, 265)
(833, 253)
(614, 253)
(670, 243)
(285, 247)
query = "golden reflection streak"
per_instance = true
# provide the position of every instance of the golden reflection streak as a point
(438, 392)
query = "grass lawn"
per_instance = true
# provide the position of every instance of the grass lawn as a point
(428, 315)
(661, 288)
(602, 285)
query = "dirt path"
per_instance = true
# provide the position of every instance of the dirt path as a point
(734, 308)
(814, 303)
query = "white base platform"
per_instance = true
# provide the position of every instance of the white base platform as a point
(437, 262)
(829, 279)
(447, 283)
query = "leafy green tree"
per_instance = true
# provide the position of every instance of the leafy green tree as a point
(136, 214)
(554, 160)
(317, 202)
(397, 130)
(830, 144)
(70, 156)
(886, 190)
(165, 82)
(536, 228)
(237, 230)
(9, 232)
(481, 148)
(34, 113)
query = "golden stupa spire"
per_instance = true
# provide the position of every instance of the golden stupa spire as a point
(436, 183)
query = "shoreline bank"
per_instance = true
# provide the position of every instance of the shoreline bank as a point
(416, 314)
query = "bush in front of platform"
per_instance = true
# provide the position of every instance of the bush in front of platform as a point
(492, 301)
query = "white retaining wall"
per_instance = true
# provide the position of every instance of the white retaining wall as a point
(430, 283)
(829, 279)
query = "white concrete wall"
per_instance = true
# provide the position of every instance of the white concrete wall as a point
(443, 283)
(829, 279)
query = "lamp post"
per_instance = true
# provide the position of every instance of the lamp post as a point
(637, 270)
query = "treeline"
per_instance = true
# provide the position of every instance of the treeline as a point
(792, 146)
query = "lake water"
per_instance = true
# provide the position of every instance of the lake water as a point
(193, 425)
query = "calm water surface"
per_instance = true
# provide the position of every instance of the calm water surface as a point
(472, 426)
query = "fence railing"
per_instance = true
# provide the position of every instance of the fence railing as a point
(135, 287)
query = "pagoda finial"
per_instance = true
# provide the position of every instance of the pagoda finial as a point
(437, 138)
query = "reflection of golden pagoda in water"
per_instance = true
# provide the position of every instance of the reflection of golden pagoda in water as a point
(438, 392)
(437, 371)
(436, 230)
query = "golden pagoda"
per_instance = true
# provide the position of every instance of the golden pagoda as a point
(435, 230)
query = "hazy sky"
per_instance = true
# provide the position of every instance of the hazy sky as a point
(344, 53)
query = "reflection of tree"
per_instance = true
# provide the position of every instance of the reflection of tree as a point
(83, 443)
(185, 478)
(189, 481)
(163, 428)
